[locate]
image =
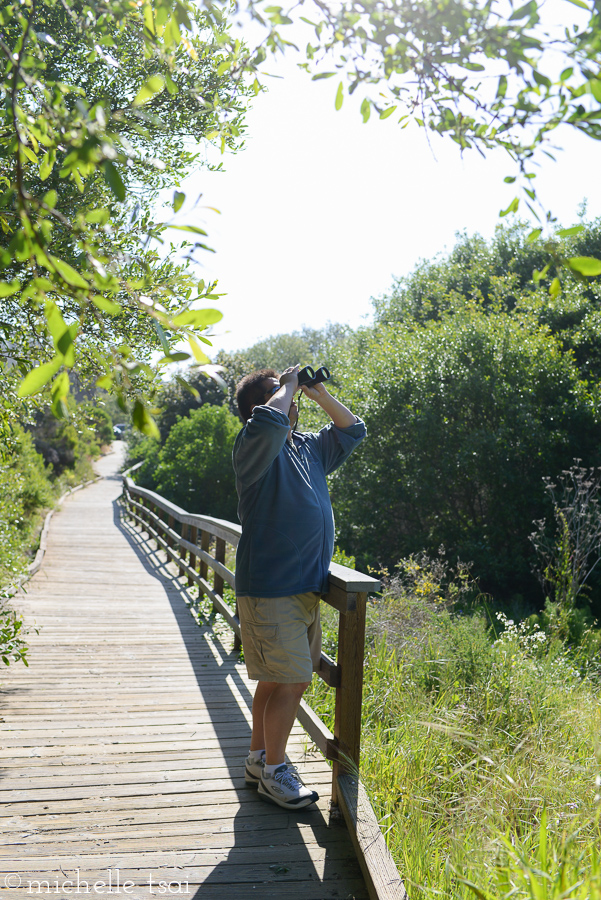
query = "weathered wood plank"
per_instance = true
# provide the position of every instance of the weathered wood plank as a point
(123, 745)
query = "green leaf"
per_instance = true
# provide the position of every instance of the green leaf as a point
(154, 85)
(113, 179)
(581, 4)
(387, 112)
(54, 320)
(321, 75)
(522, 12)
(180, 356)
(568, 232)
(339, 97)
(595, 88)
(37, 378)
(68, 273)
(162, 338)
(98, 216)
(60, 390)
(365, 110)
(143, 421)
(502, 87)
(197, 318)
(193, 228)
(199, 355)
(534, 235)
(65, 345)
(171, 85)
(47, 164)
(511, 208)
(187, 387)
(178, 200)
(106, 305)
(50, 198)
(105, 382)
(585, 265)
(9, 287)
(555, 288)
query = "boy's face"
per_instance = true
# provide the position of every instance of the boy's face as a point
(272, 385)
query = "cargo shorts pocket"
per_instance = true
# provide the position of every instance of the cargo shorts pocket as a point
(262, 639)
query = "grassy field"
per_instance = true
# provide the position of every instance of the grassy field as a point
(480, 752)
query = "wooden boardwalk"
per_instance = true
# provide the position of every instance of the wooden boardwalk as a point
(122, 745)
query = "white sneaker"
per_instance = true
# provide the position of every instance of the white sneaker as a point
(253, 768)
(285, 788)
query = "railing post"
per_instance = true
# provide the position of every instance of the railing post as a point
(349, 694)
(193, 540)
(220, 557)
(168, 540)
(205, 544)
(182, 553)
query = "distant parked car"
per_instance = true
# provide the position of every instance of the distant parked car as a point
(119, 430)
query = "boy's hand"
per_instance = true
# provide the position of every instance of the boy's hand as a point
(290, 376)
(316, 392)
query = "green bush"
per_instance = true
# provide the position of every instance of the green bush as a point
(465, 416)
(194, 467)
(25, 489)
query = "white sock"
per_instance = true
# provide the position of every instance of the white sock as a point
(256, 755)
(269, 770)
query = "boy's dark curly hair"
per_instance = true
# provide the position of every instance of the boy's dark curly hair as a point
(249, 391)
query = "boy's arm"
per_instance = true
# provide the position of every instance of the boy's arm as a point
(337, 411)
(259, 442)
(335, 444)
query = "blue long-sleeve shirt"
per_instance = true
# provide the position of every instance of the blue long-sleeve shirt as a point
(284, 504)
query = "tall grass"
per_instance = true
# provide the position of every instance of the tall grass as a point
(480, 753)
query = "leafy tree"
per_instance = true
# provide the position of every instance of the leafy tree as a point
(498, 275)
(194, 467)
(465, 415)
(101, 104)
(179, 397)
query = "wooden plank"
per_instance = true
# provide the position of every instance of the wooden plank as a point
(326, 889)
(124, 743)
(351, 580)
(315, 728)
(379, 870)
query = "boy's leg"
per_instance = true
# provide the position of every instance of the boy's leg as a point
(274, 710)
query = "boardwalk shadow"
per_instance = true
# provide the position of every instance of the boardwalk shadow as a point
(275, 854)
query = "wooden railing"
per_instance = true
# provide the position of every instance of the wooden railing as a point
(198, 546)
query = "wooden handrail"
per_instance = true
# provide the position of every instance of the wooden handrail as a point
(187, 539)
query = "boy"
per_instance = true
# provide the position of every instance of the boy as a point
(283, 559)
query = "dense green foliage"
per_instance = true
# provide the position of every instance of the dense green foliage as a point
(478, 744)
(44, 461)
(465, 416)
(104, 104)
(193, 468)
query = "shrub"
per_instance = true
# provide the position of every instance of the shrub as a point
(465, 416)
(194, 467)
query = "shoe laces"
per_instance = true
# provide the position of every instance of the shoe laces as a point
(289, 777)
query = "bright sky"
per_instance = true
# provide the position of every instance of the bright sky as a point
(320, 211)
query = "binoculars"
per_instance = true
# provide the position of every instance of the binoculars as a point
(309, 376)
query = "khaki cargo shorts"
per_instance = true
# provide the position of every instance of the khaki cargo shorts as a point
(281, 637)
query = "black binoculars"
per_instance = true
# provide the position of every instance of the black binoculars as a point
(309, 376)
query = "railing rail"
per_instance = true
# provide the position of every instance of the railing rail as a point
(197, 544)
